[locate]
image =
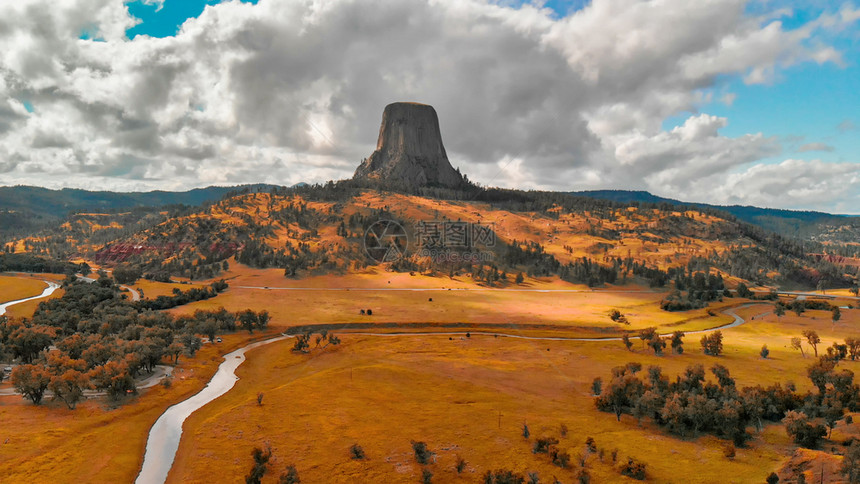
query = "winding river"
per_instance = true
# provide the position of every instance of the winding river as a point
(167, 431)
(52, 286)
(164, 437)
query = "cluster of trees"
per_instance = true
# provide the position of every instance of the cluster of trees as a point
(653, 340)
(690, 404)
(180, 298)
(126, 273)
(302, 343)
(33, 263)
(531, 255)
(93, 338)
(694, 290)
(789, 259)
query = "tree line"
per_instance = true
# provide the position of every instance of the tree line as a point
(690, 404)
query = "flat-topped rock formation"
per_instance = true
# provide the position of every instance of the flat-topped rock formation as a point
(409, 150)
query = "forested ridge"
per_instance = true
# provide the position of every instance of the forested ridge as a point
(319, 229)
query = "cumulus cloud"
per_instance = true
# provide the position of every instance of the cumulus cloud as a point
(799, 184)
(288, 91)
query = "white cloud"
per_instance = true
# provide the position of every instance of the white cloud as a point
(795, 184)
(288, 91)
(815, 147)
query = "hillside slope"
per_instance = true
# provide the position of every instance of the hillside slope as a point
(809, 225)
(323, 229)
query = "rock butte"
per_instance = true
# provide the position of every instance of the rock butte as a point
(409, 150)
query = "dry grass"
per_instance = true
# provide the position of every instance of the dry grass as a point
(25, 310)
(13, 288)
(383, 392)
(393, 299)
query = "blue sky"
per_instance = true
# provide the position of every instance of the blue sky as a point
(164, 20)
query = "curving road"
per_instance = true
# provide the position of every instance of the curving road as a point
(135, 296)
(165, 434)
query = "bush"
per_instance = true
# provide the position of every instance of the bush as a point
(559, 457)
(422, 454)
(503, 476)
(634, 469)
(426, 476)
(543, 444)
(356, 452)
(261, 464)
(764, 351)
(460, 465)
(596, 386)
(290, 476)
(804, 433)
(772, 478)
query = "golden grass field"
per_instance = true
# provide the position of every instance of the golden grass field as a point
(382, 392)
(449, 391)
(537, 306)
(36, 284)
(13, 288)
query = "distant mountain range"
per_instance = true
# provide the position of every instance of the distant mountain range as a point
(27, 207)
(819, 226)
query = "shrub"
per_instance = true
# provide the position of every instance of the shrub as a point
(543, 444)
(634, 469)
(503, 476)
(356, 452)
(261, 464)
(426, 476)
(764, 351)
(803, 432)
(596, 386)
(526, 432)
(772, 478)
(290, 476)
(559, 457)
(422, 454)
(461, 464)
